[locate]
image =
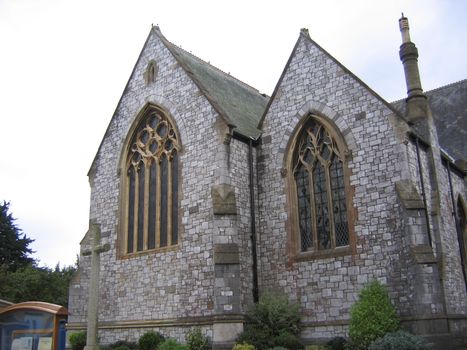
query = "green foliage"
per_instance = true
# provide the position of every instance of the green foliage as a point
(36, 283)
(20, 278)
(78, 340)
(273, 321)
(150, 340)
(243, 346)
(278, 348)
(195, 340)
(399, 340)
(122, 345)
(372, 316)
(171, 344)
(336, 343)
(14, 245)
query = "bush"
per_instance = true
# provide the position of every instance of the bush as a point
(171, 344)
(336, 343)
(272, 322)
(195, 340)
(123, 345)
(399, 341)
(243, 346)
(150, 340)
(372, 316)
(78, 340)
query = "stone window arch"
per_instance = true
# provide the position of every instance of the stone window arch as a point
(319, 190)
(151, 72)
(150, 184)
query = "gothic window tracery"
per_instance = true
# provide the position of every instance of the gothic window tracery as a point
(151, 185)
(320, 191)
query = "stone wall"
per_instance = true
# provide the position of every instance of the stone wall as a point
(325, 288)
(176, 282)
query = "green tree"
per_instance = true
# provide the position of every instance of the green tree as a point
(14, 244)
(32, 283)
(24, 284)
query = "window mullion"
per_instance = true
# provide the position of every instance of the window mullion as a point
(331, 214)
(136, 206)
(169, 201)
(158, 204)
(127, 216)
(314, 224)
(146, 203)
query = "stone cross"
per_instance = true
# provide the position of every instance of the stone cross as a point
(93, 294)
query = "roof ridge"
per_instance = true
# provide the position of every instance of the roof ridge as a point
(218, 69)
(433, 90)
(447, 85)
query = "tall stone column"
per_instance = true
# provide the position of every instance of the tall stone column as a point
(93, 294)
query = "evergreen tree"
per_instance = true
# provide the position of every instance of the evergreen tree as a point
(14, 244)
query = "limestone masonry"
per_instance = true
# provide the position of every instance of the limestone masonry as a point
(208, 193)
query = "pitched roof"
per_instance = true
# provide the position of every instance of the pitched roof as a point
(238, 103)
(449, 108)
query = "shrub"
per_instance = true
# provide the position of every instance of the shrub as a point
(171, 344)
(336, 343)
(243, 346)
(399, 340)
(272, 322)
(150, 340)
(195, 340)
(288, 340)
(123, 345)
(78, 340)
(372, 316)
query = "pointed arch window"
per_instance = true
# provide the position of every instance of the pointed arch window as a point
(151, 72)
(319, 189)
(151, 185)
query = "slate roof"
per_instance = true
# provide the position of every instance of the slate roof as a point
(449, 107)
(238, 103)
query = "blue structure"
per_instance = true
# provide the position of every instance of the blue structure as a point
(33, 326)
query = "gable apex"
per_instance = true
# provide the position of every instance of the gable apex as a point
(304, 37)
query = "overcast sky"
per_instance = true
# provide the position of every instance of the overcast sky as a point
(64, 65)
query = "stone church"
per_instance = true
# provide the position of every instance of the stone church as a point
(208, 193)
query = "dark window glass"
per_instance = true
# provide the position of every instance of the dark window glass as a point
(140, 240)
(149, 189)
(164, 201)
(304, 208)
(320, 189)
(131, 207)
(152, 213)
(321, 205)
(174, 164)
(338, 203)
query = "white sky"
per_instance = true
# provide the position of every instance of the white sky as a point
(65, 63)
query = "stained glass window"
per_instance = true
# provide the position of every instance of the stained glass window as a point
(318, 171)
(152, 185)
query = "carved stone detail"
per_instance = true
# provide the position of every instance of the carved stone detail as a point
(223, 199)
